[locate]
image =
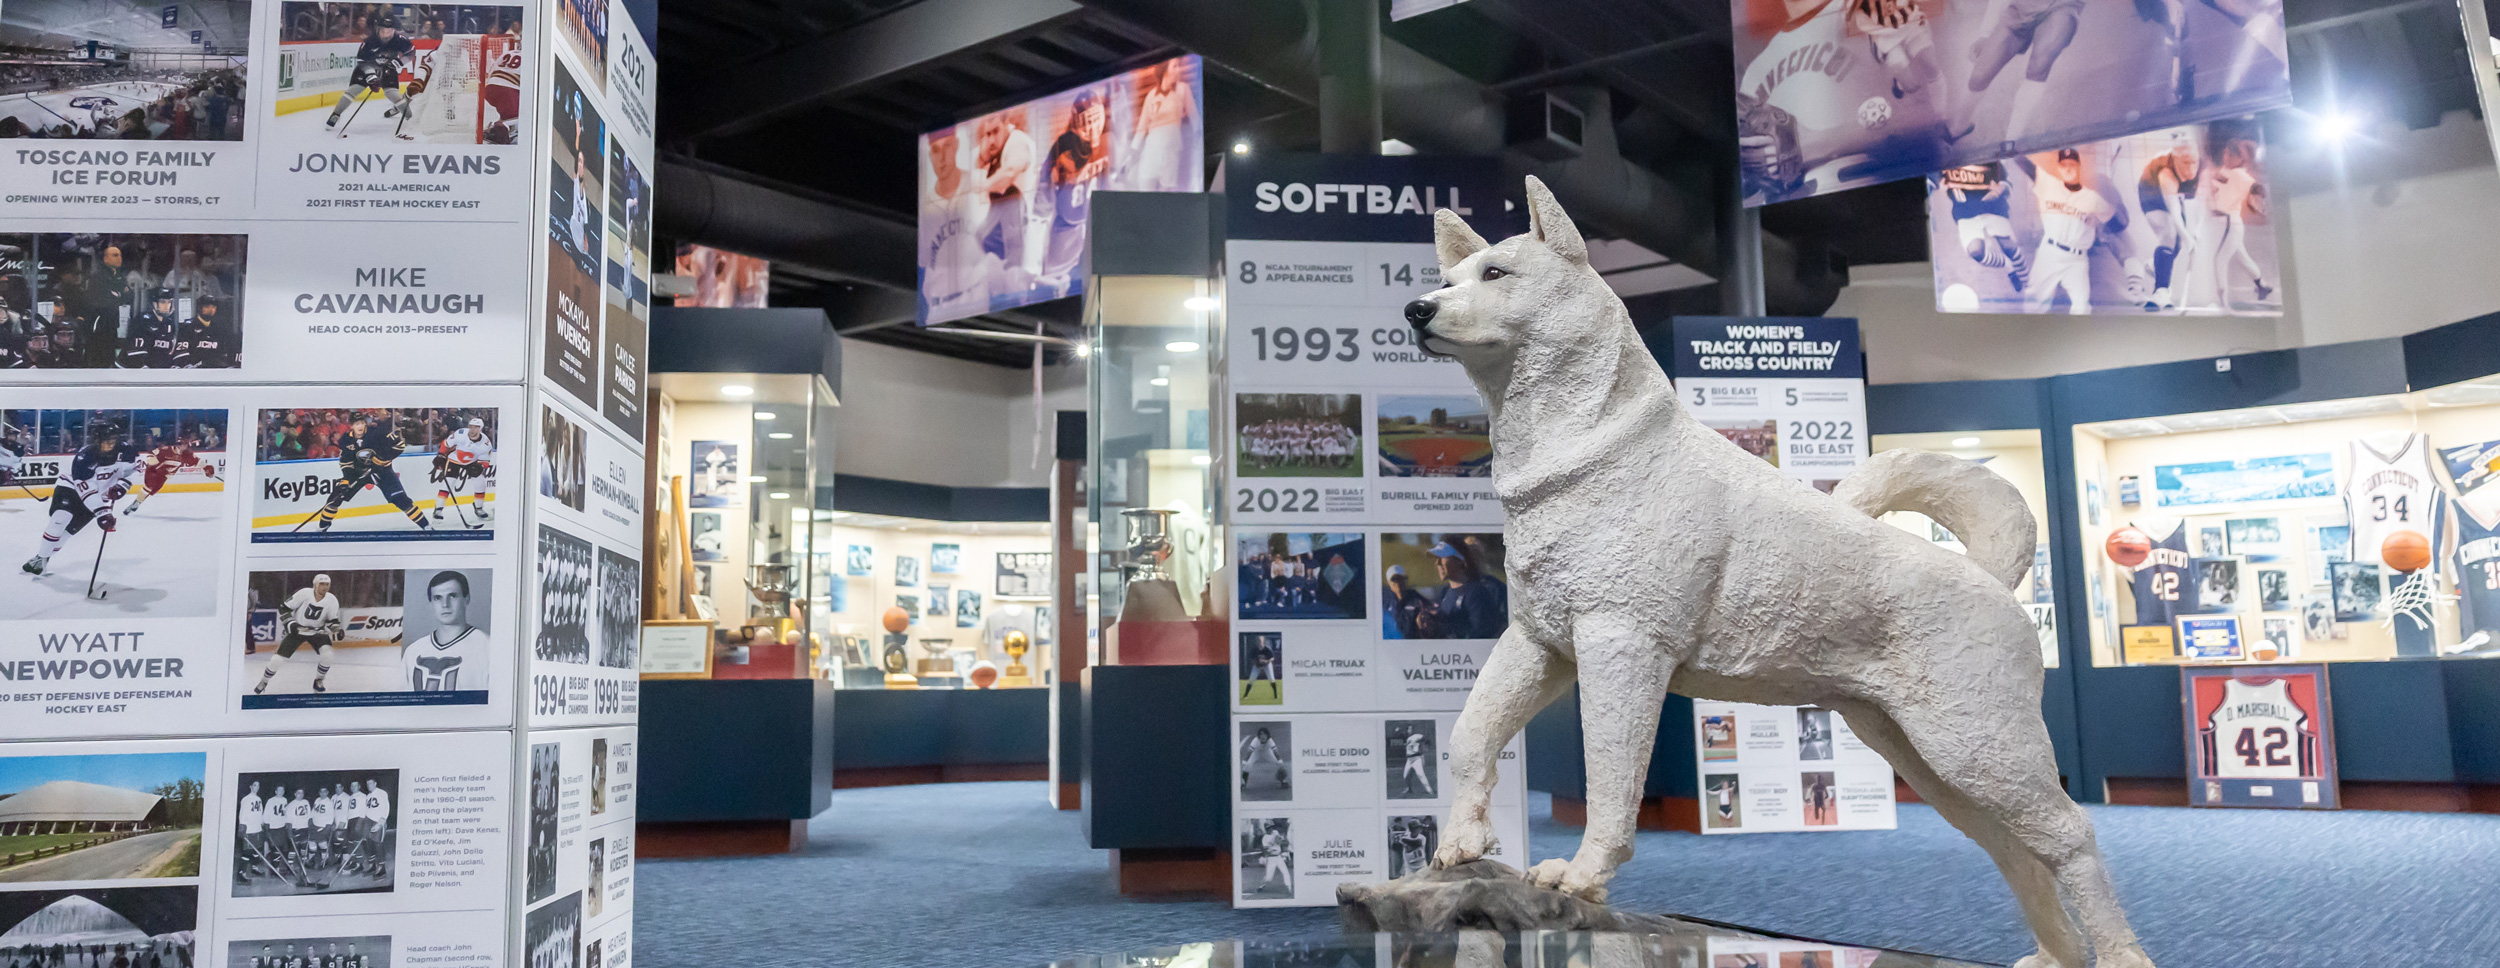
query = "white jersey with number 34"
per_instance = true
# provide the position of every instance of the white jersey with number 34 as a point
(2389, 490)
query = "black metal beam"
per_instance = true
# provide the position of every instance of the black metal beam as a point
(742, 96)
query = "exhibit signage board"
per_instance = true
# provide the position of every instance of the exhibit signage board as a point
(1368, 578)
(2259, 736)
(1771, 769)
(293, 390)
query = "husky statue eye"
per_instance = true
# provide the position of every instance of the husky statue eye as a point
(1491, 273)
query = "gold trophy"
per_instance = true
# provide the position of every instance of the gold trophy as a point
(1016, 644)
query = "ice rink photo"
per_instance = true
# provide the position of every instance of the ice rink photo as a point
(375, 474)
(121, 300)
(1435, 436)
(552, 935)
(348, 637)
(123, 512)
(546, 789)
(1300, 575)
(100, 927)
(1266, 852)
(315, 832)
(399, 72)
(361, 951)
(1299, 434)
(101, 817)
(150, 75)
(1412, 752)
(1266, 754)
(620, 610)
(2164, 223)
(1443, 586)
(564, 605)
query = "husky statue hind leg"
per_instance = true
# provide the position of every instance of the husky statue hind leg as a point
(1648, 553)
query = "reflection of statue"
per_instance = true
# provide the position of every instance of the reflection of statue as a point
(1151, 595)
(1690, 586)
(1016, 644)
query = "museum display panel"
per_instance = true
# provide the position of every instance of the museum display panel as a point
(2351, 529)
(739, 459)
(1150, 491)
(973, 597)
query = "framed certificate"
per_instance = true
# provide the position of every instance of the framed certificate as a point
(677, 649)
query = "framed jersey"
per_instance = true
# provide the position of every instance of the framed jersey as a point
(2259, 736)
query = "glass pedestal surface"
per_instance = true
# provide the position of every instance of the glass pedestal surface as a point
(1683, 944)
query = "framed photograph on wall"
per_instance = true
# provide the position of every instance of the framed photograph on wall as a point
(1023, 574)
(2259, 736)
(2209, 638)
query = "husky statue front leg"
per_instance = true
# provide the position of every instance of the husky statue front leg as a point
(1647, 553)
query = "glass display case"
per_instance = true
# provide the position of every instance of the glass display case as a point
(2354, 529)
(972, 597)
(2014, 455)
(1150, 483)
(739, 469)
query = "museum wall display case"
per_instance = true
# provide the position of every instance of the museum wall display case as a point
(974, 597)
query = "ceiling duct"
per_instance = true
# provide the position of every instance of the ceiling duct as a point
(708, 205)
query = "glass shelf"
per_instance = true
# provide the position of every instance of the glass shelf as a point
(1684, 944)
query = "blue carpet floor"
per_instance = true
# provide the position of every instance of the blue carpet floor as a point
(986, 875)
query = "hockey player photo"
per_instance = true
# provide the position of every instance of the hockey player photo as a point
(369, 637)
(74, 481)
(546, 791)
(132, 80)
(121, 300)
(1412, 767)
(564, 604)
(1435, 436)
(100, 927)
(2165, 223)
(375, 474)
(620, 610)
(1266, 754)
(424, 73)
(321, 832)
(1300, 575)
(361, 951)
(1299, 434)
(551, 936)
(1446, 586)
(577, 152)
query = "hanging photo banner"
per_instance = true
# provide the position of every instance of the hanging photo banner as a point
(1370, 575)
(1836, 94)
(2166, 223)
(1790, 390)
(1004, 197)
(2259, 736)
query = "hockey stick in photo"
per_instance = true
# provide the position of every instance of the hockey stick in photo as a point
(351, 117)
(99, 563)
(467, 510)
(408, 105)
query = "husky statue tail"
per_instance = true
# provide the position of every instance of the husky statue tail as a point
(1979, 507)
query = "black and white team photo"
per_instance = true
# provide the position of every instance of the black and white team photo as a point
(620, 610)
(401, 72)
(120, 512)
(315, 832)
(120, 300)
(360, 951)
(375, 474)
(564, 603)
(139, 70)
(546, 793)
(359, 637)
(551, 937)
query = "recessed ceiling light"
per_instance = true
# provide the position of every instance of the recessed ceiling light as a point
(1084, 350)
(1182, 346)
(755, 478)
(1202, 460)
(765, 415)
(1198, 304)
(1159, 382)
(779, 436)
(737, 390)
(1241, 147)
(779, 495)
(1965, 441)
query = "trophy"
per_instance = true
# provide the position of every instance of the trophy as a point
(896, 655)
(1016, 644)
(937, 664)
(1151, 595)
(770, 584)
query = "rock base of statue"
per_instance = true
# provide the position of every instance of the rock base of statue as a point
(1482, 895)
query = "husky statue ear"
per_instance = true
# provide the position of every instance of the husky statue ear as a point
(1549, 225)
(1452, 240)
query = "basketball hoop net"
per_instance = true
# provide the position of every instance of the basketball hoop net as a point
(2413, 599)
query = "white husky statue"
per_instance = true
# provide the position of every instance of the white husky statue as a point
(1647, 553)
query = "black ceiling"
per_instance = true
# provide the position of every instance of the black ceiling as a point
(831, 95)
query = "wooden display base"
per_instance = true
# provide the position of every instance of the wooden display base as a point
(719, 838)
(901, 680)
(1173, 873)
(2355, 794)
(1015, 676)
(1657, 813)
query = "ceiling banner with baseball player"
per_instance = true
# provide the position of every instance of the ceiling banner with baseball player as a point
(1004, 197)
(2164, 223)
(1836, 94)
(2259, 736)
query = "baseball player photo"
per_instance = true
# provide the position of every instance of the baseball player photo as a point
(1266, 757)
(1266, 851)
(1261, 666)
(1412, 759)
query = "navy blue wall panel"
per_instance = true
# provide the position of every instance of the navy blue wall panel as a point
(2456, 352)
(1555, 763)
(1919, 408)
(997, 725)
(2474, 717)
(941, 727)
(2391, 722)
(1157, 751)
(2129, 720)
(735, 749)
(2331, 372)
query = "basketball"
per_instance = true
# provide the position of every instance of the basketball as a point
(2128, 546)
(896, 619)
(984, 674)
(2406, 551)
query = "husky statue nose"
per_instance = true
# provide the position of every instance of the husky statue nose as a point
(1419, 313)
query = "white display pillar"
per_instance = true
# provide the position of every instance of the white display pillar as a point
(321, 377)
